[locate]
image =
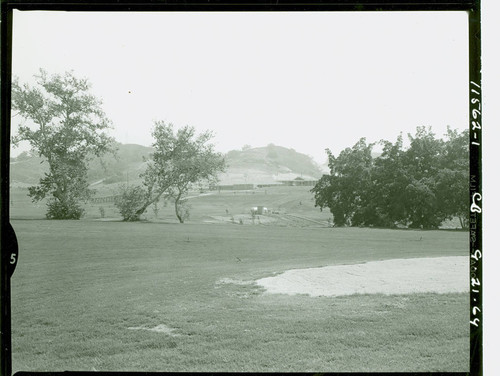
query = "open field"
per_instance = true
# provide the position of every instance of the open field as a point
(105, 295)
(218, 206)
(294, 205)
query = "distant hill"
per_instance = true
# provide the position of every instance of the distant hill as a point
(26, 170)
(268, 164)
(261, 165)
(127, 163)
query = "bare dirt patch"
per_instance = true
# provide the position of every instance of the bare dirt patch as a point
(159, 329)
(239, 282)
(389, 277)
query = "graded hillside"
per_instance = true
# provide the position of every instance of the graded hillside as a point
(267, 165)
(263, 165)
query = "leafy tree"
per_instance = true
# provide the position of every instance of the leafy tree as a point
(423, 185)
(390, 179)
(419, 187)
(65, 124)
(452, 182)
(180, 160)
(423, 211)
(346, 190)
(422, 161)
(324, 195)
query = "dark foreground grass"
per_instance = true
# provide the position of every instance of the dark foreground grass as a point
(80, 286)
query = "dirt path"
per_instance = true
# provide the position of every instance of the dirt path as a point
(398, 276)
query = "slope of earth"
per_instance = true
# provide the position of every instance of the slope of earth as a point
(263, 165)
(126, 164)
(269, 164)
(26, 170)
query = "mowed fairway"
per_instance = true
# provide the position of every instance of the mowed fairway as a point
(81, 285)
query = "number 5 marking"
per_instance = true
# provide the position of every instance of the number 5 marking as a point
(12, 258)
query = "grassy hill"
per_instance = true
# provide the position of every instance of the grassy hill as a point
(126, 163)
(258, 165)
(268, 164)
(26, 170)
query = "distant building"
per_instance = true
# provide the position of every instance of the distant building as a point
(269, 185)
(232, 187)
(299, 182)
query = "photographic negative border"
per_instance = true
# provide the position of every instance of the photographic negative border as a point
(475, 126)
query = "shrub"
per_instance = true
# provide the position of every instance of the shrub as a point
(63, 210)
(129, 201)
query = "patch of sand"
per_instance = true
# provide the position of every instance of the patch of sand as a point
(233, 281)
(390, 277)
(158, 328)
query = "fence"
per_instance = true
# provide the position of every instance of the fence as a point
(104, 199)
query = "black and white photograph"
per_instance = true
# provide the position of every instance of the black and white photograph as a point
(242, 191)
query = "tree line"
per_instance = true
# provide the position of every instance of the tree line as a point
(418, 186)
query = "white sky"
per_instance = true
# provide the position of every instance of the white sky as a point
(309, 81)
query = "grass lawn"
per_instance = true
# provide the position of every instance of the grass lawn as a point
(296, 200)
(81, 285)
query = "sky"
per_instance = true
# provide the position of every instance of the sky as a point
(303, 80)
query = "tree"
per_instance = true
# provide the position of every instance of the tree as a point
(180, 160)
(390, 179)
(65, 124)
(346, 190)
(452, 186)
(423, 161)
(419, 187)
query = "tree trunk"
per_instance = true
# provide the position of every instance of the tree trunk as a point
(177, 211)
(463, 222)
(149, 202)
